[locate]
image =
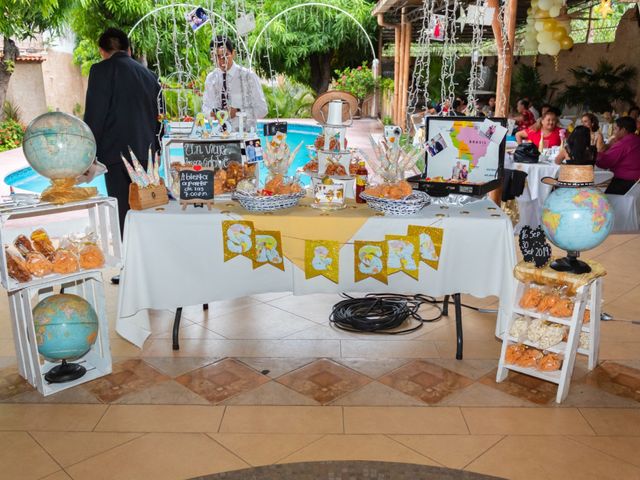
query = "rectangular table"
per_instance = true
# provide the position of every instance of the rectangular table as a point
(174, 258)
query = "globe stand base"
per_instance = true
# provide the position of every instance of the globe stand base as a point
(63, 190)
(65, 372)
(570, 264)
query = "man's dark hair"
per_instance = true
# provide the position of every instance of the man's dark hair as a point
(634, 108)
(113, 40)
(628, 123)
(525, 103)
(221, 41)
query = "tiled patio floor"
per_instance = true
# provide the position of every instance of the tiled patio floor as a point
(266, 379)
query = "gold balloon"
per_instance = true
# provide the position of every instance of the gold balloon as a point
(549, 24)
(566, 43)
(559, 34)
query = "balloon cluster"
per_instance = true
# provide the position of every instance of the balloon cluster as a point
(548, 27)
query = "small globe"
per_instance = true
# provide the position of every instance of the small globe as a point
(66, 326)
(577, 219)
(58, 145)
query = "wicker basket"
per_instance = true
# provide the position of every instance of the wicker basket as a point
(255, 203)
(406, 206)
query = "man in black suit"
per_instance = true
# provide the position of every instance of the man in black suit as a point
(122, 111)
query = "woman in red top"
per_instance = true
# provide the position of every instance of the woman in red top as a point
(525, 118)
(549, 132)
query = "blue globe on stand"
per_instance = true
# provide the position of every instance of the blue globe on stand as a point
(576, 219)
(60, 147)
(66, 327)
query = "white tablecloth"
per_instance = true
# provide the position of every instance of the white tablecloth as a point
(175, 258)
(535, 192)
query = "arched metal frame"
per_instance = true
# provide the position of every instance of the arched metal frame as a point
(209, 12)
(310, 4)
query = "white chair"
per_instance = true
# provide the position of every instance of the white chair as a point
(626, 209)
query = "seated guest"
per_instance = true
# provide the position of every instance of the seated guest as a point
(545, 108)
(578, 150)
(622, 156)
(548, 132)
(490, 108)
(525, 118)
(634, 112)
(459, 107)
(590, 121)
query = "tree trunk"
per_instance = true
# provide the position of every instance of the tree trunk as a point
(7, 65)
(320, 71)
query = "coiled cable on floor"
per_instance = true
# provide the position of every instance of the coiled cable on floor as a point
(382, 313)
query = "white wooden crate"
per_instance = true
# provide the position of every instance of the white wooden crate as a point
(588, 296)
(31, 365)
(100, 214)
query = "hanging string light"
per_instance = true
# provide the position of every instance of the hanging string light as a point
(422, 65)
(475, 79)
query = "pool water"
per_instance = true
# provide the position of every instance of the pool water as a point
(27, 179)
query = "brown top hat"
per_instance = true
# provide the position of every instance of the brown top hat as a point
(320, 107)
(572, 176)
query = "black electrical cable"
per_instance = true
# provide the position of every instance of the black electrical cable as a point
(381, 313)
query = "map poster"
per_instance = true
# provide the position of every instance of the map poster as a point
(463, 151)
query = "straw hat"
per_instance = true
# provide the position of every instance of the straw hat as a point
(320, 108)
(572, 176)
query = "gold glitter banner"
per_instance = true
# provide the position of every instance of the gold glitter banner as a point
(403, 254)
(238, 238)
(370, 260)
(268, 249)
(322, 257)
(430, 243)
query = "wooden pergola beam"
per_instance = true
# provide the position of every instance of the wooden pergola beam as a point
(505, 53)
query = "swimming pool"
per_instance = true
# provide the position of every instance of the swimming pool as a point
(27, 179)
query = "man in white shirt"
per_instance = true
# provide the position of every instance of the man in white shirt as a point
(232, 87)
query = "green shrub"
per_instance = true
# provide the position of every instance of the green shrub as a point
(11, 134)
(288, 99)
(359, 81)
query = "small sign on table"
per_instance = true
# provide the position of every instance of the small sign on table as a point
(534, 246)
(196, 187)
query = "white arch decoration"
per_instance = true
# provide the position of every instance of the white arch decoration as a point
(190, 5)
(311, 4)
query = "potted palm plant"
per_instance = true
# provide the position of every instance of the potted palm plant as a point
(596, 90)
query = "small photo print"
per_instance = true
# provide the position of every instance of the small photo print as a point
(197, 18)
(436, 145)
(437, 27)
(460, 171)
(253, 151)
(493, 131)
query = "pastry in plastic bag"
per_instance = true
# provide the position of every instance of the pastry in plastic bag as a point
(549, 363)
(562, 309)
(514, 352)
(17, 267)
(519, 328)
(64, 261)
(531, 297)
(38, 264)
(23, 244)
(587, 316)
(547, 302)
(585, 341)
(91, 257)
(544, 334)
(529, 358)
(42, 242)
(335, 169)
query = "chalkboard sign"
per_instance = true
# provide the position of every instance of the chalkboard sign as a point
(196, 186)
(534, 246)
(212, 154)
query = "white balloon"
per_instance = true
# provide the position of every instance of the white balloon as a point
(544, 37)
(553, 48)
(545, 4)
(554, 11)
(542, 48)
(539, 26)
